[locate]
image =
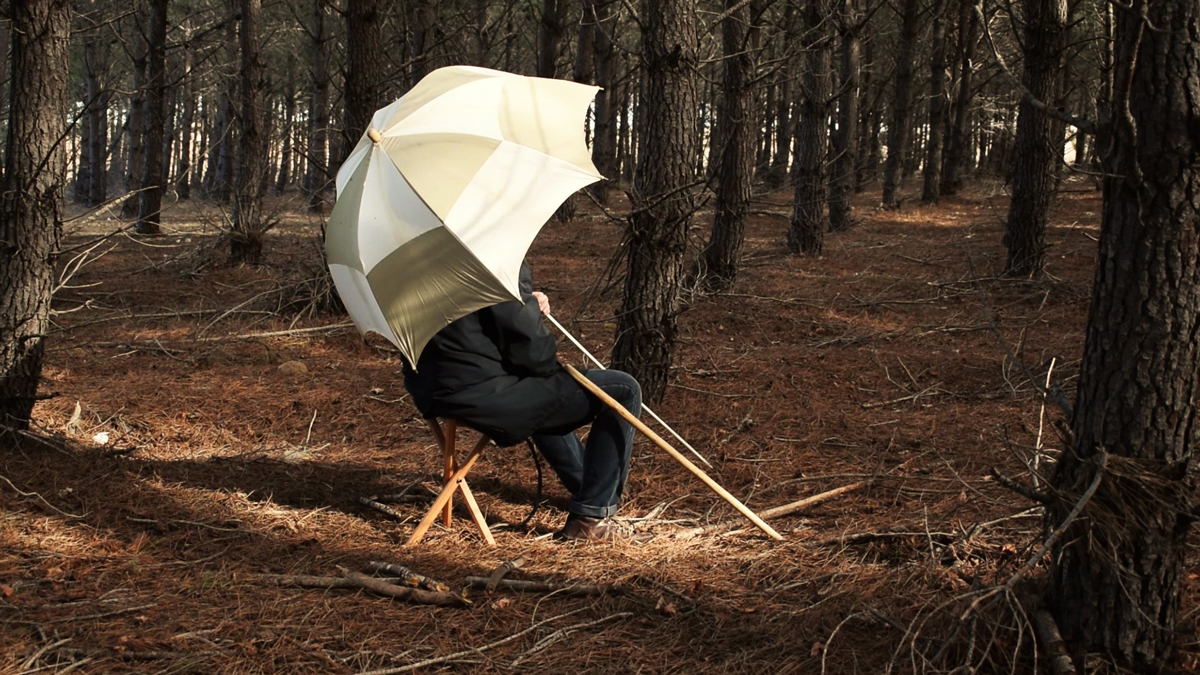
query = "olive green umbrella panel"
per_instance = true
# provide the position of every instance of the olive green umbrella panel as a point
(441, 198)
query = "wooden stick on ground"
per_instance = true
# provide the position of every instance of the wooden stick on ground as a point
(379, 586)
(778, 511)
(697, 471)
(523, 586)
(408, 577)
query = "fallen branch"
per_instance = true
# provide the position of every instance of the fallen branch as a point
(382, 508)
(408, 577)
(378, 586)
(504, 568)
(277, 333)
(522, 586)
(1048, 633)
(778, 511)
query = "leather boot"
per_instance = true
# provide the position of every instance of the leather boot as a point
(585, 527)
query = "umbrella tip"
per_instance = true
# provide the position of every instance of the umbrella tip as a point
(374, 135)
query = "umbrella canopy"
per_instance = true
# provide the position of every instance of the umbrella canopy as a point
(441, 198)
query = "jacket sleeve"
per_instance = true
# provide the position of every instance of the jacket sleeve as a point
(524, 341)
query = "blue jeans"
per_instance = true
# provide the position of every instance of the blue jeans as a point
(594, 474)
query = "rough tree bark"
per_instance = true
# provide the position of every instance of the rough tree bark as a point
(31, 201)
(150, 204)
(845, 140)
(1037, 150)
(135, 127)
(245, 242)
(734, 142)
(663, 202)
(289, 121)
(365, 72)
(422, 24)
(901, 109)
(809, 220)
(1115, 573)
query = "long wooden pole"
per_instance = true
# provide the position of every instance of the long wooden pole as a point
(637, 424)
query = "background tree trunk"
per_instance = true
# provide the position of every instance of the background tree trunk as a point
(845, 141)
(932, 176)
(1115, 573)
(809, 222)
(135, 129)
(150, 204)
(901, 119)
(317, 175)
(1037, 149)
(604, 138)
(31, 201)
(245, 244)
(289, 115)
(663, 205)
(956, 138)
(734, 139)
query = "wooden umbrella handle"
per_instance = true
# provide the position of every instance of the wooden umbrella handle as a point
(649, 433)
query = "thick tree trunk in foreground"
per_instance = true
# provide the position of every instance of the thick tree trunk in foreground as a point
(809, 222)
(734, 141)
(901, 119)
(245, 244)
(31, 200)
(1114, 579)
(1115, 574)
(1037, 148)
(663, 202)
(150, 203)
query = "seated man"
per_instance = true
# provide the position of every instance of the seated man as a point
(497, 371)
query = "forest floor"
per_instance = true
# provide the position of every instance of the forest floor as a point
(188, 451)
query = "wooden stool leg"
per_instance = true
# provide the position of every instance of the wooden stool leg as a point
(473, 506)
(456, 481)
(451, 434)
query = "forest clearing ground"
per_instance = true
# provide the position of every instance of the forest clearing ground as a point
(878, 359)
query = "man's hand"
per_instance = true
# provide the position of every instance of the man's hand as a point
(543, 302)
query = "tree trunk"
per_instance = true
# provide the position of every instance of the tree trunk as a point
(150, 204)
(245, 242)
(901, 119)
(663, 202)
(317, 176)
(959, 132)
(289, 117)
(1037, 149)
(809, 222)
(734, 168)
(365, 72)
(604, 138)
(932, 176)
(1115, 572)
(31, 201)
(421, 26)
(845, 141)
(135, 129)
(221, 147)
(187, 125)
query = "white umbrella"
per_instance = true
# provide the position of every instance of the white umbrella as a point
(441, 198)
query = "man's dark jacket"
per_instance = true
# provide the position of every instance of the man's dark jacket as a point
(495, 370)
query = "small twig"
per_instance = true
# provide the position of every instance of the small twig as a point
(34, 494)
(278, 333)
(564, 632)
(417, 595)
(1026, 491)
